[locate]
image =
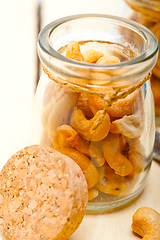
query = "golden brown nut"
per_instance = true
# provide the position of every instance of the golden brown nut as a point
(126, 106)
(112, 149)
(111, 183)
(119, 108)
(82, 104)
(108, 60)
(95, 129)
(92, 55)
(92, 193)
(43, 195)
(68, 137)
(146, 223)
(73, 51)
(89, 170)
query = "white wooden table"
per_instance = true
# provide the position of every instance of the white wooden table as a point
(19, 71)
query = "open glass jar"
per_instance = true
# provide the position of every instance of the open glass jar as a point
(100, 114)
(147, 12)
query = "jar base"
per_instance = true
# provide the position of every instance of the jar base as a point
(113, 203)
(113, 206)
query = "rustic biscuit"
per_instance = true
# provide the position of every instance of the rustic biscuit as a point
(43, 195)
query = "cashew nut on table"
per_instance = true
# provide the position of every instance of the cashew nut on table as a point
(146, 223)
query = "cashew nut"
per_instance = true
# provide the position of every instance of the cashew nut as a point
(136, 155)
(73, 51)
(108, 60)
(68, 137)
(130, 126)
(91, 55)
(92, 193)
(111, 183)
(146, 223)
(112, 147)
(95, 129)
(84, 163)
(83, 105)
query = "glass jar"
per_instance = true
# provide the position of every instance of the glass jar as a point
(100, 114)
(147, 12)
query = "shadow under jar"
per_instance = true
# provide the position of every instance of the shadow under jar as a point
(94, 102)
(147, 12)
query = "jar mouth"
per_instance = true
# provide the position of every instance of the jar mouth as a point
(97, 27)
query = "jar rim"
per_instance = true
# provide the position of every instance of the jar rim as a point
(45, 48)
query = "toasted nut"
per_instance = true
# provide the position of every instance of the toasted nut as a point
(82, 104)
(130, 126)
(108, 60)
(92, 193)
(73, 51)
(126, 106)
(68, 137)
(111, 183)
(84, 163)
(112, 153)
(146, 223)
(94, 129)
(91, 55)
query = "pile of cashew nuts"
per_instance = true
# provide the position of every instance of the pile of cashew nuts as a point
(105, 143)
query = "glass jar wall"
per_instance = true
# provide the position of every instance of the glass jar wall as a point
(94, 102)
(147, 12)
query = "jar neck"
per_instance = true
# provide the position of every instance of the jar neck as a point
(114, 95)
(111, 29)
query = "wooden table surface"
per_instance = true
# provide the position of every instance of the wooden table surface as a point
(20, 22)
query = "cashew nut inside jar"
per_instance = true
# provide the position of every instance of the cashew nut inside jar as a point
(94, 102)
